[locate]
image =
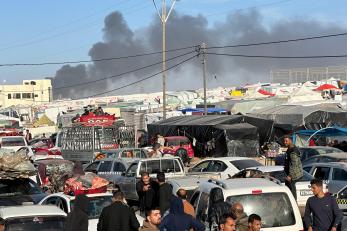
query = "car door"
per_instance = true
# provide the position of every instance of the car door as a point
(117, 169)
(127, 182)
(338, 180)
(342, 201)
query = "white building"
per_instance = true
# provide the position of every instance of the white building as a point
(30, 92)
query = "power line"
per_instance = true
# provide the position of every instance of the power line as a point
(105, 78)
(95, 60)
(279, 41)
(123, 73)
(141, 80)
(279, 57)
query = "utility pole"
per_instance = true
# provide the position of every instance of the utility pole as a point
(204, 63)
(163, 18)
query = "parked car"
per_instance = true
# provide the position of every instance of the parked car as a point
(13, 142)
(303, 186)
(308, 152)
(333, 173)
(341, 199)
(108, 168)
(96, 203)
(175, 143)
(274, 203)
(33, 218)
(171, 166)
(223, 167)
(332, 157)
(19, 191)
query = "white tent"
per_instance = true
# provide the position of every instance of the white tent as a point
(304, 94)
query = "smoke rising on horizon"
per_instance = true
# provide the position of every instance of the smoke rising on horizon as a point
(183, 30)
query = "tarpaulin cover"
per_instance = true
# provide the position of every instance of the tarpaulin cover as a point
(213, 132)
(325, 87)
(330, 131)
(311, 117)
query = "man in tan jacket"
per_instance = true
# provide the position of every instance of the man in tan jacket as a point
(188, 208)
(152, 221)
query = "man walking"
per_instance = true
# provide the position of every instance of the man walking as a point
(322, 212)
(187, 207)
(147, 191)
(241, 217)
(227, 223)
(118, 216)
(292, 165)
(254, 222)
(152, 221)
(77, 219)
(165, 193)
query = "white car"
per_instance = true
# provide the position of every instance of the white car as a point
(13, 142)
(223, 167)
(33, 217)
(303, 186)
(96, 203)
(274, 203)
(189, 183)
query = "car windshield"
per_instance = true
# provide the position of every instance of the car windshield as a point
(19, 187)
(274, 209)
(44, 223)
(12, 141)
(242, 164)
(96, 204)
(327, 150)
(281, 175)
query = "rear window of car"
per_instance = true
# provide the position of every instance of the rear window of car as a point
(242, 164)
(281, 175)
(10, 141)
(177, 142)
(20, 187)
(274, 209)
(328, 150)
(96, 204)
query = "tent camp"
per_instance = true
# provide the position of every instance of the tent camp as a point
(217, 135)
(309, 116)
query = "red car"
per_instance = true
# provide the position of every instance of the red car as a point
(175, 143)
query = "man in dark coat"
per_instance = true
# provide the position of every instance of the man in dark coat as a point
(177, 220)
(292, 165)
(147, 190)
(118, 216)
(77, 220)
(165, 193)
(218, 208)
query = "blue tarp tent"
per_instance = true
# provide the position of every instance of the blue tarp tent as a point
(302, 137)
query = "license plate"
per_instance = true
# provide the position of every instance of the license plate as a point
(307, 192)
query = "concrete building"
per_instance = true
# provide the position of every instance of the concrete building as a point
(30, 92)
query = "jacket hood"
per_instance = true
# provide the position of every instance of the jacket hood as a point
(82, 203)
(216, 195)
(176, 206)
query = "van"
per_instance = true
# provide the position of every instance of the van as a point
(272, 202)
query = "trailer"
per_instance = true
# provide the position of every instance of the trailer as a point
(82, 143)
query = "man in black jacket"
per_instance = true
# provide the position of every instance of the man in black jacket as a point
(118, 216)
(218, 208)
(147, 190)
(165, 193)
(77, 220)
